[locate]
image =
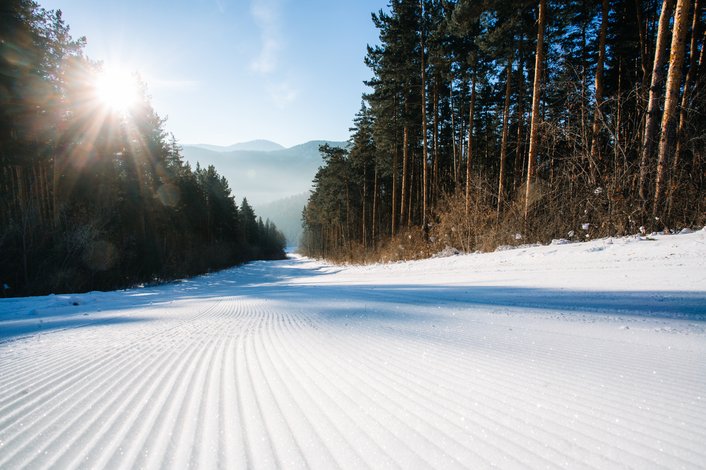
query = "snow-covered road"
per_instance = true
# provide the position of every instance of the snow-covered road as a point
(587, 355)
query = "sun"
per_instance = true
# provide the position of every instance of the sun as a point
(117, 89)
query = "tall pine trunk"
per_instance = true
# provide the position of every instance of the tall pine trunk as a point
(536, 88)
(519, 154)
(453, 134)
(56, 178)
(435, 138)
(405, 176)
(643, 45)
(598, 111)
(410, 192)
(684, 107)
(469, 159)
(393, 222)
(652, 119)
(373, 234)
(425, 183)
(503, 140)
(363, 204)
(671, 99)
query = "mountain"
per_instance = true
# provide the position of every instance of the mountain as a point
(287, 215)
(259, 145)
(263, 176)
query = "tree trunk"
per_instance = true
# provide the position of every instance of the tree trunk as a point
(536, 88)
(597, 113)
(393, 223)
(364, 202)
(651, 119)
(683, 110)
(584, 54)
(425, 183)
(453, 134)
(56, 175)
(671, 99)
(410, 192)
(619, 119)
(395, 162)
(469, 159)
(435, 137)
(459, 144)
(503, 140)
(643, 42)
(347, 235)
(405, 164)
(374, 214)
(519, 154)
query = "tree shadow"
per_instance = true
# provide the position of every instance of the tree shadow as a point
(273, 281)
(28, 327)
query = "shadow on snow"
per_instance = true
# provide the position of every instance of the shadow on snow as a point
(272, 281)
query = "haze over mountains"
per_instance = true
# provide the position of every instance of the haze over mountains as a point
(287, 215)
(268, 174)
(259, 145)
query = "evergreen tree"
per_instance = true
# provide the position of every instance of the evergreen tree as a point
(95, 199)
(470, 101)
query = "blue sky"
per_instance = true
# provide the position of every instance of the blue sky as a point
(226, 71)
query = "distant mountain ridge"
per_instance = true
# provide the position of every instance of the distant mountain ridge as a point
(258, 145)
(260, 175)
(287, 215)
(276, 182)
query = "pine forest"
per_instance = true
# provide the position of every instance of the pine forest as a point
(94, 197)
(493, 123)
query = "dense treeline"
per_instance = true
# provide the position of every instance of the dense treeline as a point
(92, 198)
(506, 121)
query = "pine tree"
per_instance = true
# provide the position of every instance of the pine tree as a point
(456, 112)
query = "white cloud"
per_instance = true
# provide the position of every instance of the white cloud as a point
(266, 14)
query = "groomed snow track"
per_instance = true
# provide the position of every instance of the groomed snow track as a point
(295, 364)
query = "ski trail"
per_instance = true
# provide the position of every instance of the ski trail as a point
(294, 365)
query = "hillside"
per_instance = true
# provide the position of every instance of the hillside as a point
(287, 215)
(263, 176)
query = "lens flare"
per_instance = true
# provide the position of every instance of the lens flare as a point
(116, 89)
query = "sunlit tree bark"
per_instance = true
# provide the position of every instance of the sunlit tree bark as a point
(686, 95)
(536, 89)
(469, 158)
(652, 118)
(503, 139)
(671, 99)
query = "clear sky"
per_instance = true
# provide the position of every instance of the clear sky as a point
(227, 71)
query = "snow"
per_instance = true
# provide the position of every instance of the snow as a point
(581, 355)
